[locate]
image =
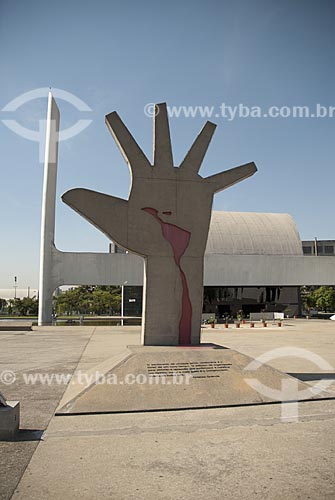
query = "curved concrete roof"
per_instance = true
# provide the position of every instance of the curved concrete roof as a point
(249, 233)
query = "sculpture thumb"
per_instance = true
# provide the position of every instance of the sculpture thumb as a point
(94, 206)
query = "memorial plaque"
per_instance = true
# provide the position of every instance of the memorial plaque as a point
(198, 369)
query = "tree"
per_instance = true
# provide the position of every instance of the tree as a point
(68, 302)
(321, 298)
(307, 297)
(3, 303)
(89, 300)
(325, 298)
(23, 307)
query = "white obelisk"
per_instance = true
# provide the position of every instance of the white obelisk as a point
(48, 213)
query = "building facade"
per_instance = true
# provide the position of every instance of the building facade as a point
(236, 233)
(320, 248)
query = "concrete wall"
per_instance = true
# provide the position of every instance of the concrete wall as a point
(270, 270)
(220, 270)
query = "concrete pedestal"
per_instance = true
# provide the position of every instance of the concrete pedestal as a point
(9, 420)
(16, 326)
(172, 378)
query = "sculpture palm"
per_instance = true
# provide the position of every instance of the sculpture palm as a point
(166, 220)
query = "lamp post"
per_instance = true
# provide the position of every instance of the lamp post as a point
(15, 286)
(122, 302)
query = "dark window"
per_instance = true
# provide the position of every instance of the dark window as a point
(307, 250)
(132, 300)
(329, 249)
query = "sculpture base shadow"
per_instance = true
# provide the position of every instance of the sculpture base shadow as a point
(174, 378)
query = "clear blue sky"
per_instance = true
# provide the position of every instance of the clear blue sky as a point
(121, 55)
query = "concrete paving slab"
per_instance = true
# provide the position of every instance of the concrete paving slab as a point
(317, 336)
(41, 351)
(236, 453)
(241, 454)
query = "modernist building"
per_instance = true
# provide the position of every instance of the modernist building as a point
(247, 234)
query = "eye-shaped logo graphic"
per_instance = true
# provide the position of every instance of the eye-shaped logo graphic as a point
(290, 386)
(39, 135)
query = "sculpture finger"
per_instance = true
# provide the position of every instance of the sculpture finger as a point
(162, 153)
(194, 158)
(230, 177)
(130, 150)
(94, 206)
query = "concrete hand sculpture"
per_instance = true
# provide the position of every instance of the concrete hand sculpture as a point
(166, 220)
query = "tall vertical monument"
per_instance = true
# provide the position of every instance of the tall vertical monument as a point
(46, 287)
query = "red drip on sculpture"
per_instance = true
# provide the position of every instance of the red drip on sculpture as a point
(179, 240)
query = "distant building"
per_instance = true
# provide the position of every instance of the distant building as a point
(321, 248)
(247, 234)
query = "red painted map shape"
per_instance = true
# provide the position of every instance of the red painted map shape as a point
(179, 240)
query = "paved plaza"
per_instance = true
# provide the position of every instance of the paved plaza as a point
(233, 453)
